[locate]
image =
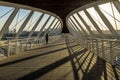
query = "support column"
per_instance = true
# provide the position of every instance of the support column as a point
(88, 43)
(97, 46)
(92, 40)
(9, 49)
(111, 52)
(103, 50)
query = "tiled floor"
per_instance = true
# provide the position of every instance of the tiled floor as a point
(61, 60)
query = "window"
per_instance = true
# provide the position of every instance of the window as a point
(32, 21)
(44, 19)
(18, 20)
(111, 14)
(5, 13)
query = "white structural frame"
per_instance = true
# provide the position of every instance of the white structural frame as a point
(97, 44)
(29, 41)
(17, 7)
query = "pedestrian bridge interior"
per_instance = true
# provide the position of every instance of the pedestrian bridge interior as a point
(83, 40)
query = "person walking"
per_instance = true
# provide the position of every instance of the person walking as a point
(46, 37)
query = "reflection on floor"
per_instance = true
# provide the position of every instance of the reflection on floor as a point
(61, 60)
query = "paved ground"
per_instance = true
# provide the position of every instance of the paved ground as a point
(62, 60)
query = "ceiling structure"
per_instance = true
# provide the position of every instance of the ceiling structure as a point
(60, 7)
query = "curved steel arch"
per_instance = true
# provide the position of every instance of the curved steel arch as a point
(107, 48)
(104, 19)
(17, 7)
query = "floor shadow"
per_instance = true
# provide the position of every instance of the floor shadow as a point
(49, 45)
(81, 60)
(3, 51)
(84, 63)
(100, 70)
(36, 74)
(75, 71)
(75, 67)
(34, 56)
(115, 72)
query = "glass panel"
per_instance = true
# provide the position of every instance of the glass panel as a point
(81, 23)
(53, 29)
(48, 24)
(69, 24)
(18, 20)
(72, 30)
(75, 22)
(72, 24)
(57, 25)
(98, 20)
(54, 24)
(57, 30)
(70, 27)
(111, 14)
(32, 21)
(86, 19)
(116, 16)
(40, 25)
(5, 13)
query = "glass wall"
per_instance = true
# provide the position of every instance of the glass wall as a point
(5, 13)
(18, 20)
(102, 19)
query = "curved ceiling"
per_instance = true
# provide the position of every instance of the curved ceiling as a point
(60, 7)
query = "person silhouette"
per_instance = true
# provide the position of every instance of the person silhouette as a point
(46, 37)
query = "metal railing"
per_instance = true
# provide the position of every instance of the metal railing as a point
(104, 48)
(103, 44)
(17, 44)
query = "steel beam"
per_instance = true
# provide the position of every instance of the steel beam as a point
(8, 22)
(105, 20)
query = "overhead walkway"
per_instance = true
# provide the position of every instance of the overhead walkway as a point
(91, 51)
(63, 59)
